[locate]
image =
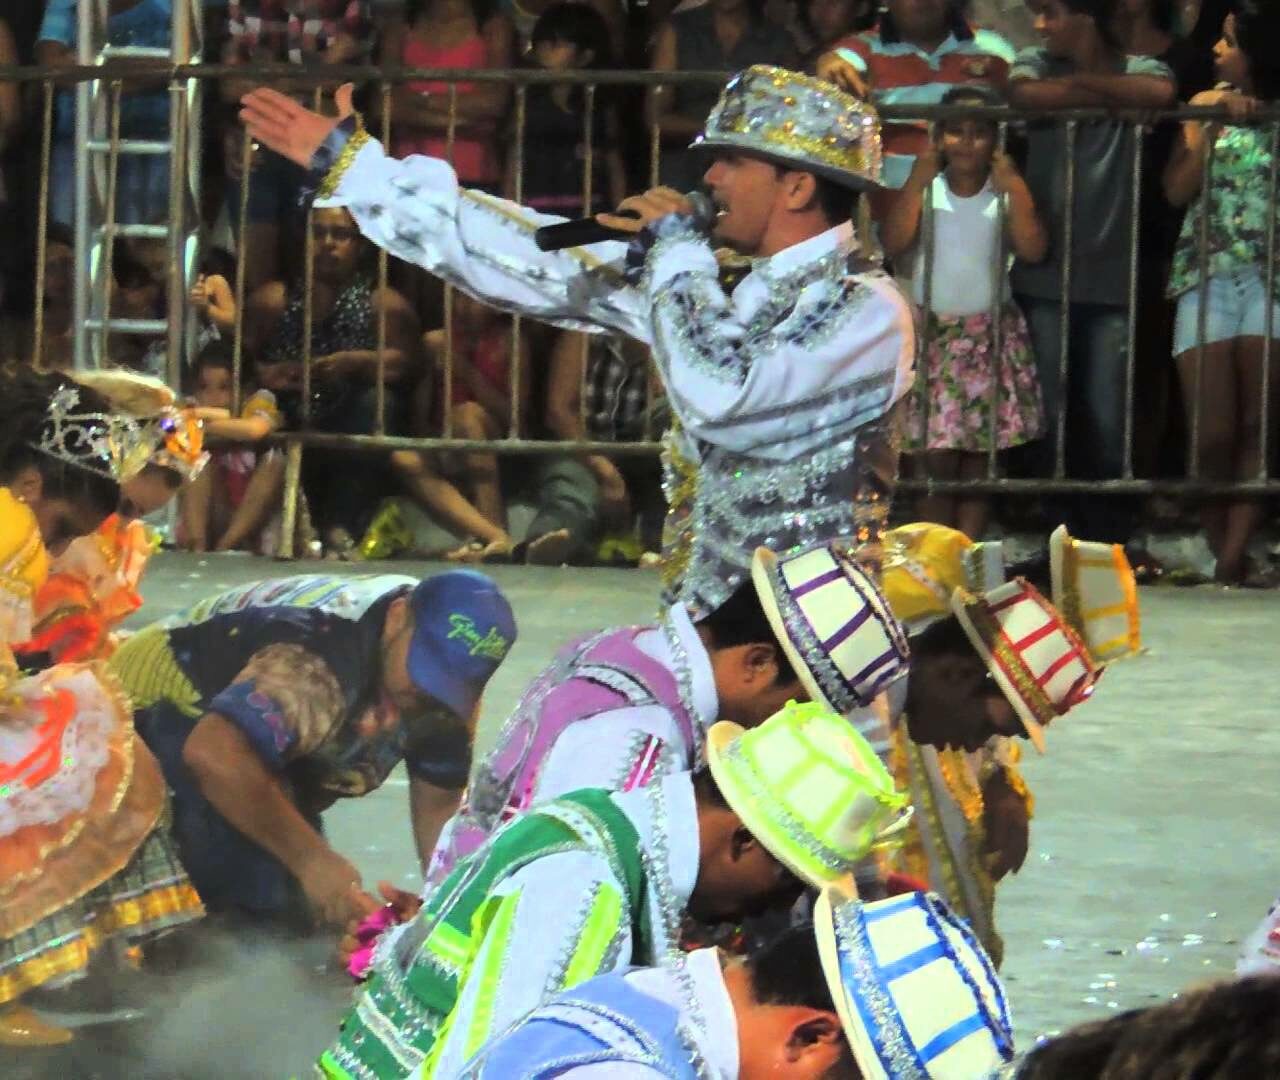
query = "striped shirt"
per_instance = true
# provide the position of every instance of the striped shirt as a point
(904, 74)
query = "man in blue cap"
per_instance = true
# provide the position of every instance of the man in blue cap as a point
(266, 703)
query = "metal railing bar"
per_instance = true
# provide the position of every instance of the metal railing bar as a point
(1131, 323)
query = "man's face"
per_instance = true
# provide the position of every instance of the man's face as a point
(336, 245)
(58, 266)
(832, 19)
(747, 684)
(1059, 28)
(408, 698)
(953, 702)
(737, 877)
(919, 18)
(746, 192)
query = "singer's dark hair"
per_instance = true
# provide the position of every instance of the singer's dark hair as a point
(836, 201)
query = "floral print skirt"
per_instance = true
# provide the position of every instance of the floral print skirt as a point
(956, 377)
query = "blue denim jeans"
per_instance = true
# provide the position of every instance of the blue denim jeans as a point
(1094, 394)
(1236, 307)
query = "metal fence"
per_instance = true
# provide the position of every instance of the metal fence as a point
(378, 84)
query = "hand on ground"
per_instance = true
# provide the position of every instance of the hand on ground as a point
(332, 887)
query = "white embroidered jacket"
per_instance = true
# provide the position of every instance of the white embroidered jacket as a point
(785, 388)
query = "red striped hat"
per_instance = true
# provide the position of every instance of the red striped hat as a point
(1036, 657)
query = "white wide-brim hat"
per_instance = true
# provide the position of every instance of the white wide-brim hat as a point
(833, 623)
(1035, 657)
(917, 996)
(1094, 588)
(809, 788)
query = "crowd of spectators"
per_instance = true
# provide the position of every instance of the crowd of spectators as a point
(959, 196)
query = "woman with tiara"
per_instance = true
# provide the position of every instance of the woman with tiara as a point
(83, 854)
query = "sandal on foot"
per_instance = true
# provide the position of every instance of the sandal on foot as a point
(550, 549)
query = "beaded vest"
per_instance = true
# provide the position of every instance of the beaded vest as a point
(733, 503)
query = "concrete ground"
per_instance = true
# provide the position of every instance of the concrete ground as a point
(1153, 846)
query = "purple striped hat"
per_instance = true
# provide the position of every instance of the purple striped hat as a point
(833, 623)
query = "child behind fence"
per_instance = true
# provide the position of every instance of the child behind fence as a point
(1227, 389)
(960, 190)
(569, 37)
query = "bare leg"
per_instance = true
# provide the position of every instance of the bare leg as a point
(972, 511)
(1243, 516)
(261, 500)
(442, 500)
(196, 505)
(471, 421)
(940, 509)
(1214, 447)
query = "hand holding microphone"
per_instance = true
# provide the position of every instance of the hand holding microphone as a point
(632, 215)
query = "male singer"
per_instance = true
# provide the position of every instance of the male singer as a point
(784, 390)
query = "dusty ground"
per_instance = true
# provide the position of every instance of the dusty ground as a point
(1154, 846)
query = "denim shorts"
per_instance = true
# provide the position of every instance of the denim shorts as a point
(1236, 308)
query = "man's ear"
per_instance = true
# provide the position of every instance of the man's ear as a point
(801, 189)
(742, 842)
(760, 664)
(812, 1030)
(398, 616)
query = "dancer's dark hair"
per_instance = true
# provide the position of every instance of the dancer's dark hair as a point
(787, 970)
(24, 417)
(741, 620)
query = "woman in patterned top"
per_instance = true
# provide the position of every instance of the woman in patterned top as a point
(1226, 389)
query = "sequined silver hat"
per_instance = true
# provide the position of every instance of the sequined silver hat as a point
(797, 120)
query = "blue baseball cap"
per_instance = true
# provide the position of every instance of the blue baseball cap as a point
(463, 627)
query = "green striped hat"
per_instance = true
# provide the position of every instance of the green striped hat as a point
(809, 788)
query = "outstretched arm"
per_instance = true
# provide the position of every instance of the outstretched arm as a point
(416, 210)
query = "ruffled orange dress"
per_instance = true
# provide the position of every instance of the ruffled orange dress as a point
(84, 854)
(92, 587)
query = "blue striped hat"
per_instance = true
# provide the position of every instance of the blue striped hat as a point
(918, 997)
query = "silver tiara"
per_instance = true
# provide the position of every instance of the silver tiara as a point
(108, 444)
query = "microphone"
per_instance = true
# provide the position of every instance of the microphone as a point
(582, 231)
